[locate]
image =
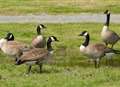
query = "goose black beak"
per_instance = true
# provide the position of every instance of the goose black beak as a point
(106, 12)
(80, 35)
(57, 40)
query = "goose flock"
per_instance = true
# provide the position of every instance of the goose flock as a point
(40, 49)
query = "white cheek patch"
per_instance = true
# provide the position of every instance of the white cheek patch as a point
(86, 34)
(52, 39)
(41, 27)
(10, 36)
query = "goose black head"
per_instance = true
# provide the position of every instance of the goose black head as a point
(49, 41)
(9, 36)
(107, 12)
(39, 27)
(53, 38)
(83, 33)
(42, 26)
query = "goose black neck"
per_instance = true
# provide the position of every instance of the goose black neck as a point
(38, 30)
(107, 19)
(49, 46)
(86, 42)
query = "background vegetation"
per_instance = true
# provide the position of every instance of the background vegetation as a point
(36, 7)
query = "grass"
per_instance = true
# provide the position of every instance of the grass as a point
(68, 68)
(36, 7)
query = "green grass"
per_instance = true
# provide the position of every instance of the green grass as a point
(22, 7)
(68, 67)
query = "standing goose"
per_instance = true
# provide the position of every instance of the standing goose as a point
(108, 36)
(94, 51)
(37, 55)
(39, 41)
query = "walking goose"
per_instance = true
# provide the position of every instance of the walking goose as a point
(109, 36)
(94, 51)
(39, 41)
(37, 55)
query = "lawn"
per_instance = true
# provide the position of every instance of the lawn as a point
(68, 67)
(36, 7)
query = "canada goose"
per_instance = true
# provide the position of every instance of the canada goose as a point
(11, 47)
(39, 41)
(37, 55)
(108, 36)
(94, 51)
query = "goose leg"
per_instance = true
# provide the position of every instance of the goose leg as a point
(40, 66)
(106, 44)
(29, 69)
(112, 45)
(16, 59)
(95, 62)
(98, 62)
(111, 61)
(107, 61)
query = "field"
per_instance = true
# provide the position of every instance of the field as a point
(36, 7)
(68, 67)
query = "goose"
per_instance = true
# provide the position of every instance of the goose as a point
(95, 51)
(109, 36)
(37, 55)
(11, 47)
(39, 41)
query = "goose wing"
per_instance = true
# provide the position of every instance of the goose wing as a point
(112, 35)
(39, 42)
(95, 50)
(17, 44)
(34, 54)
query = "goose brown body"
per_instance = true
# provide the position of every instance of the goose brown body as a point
(96, 50)
(36, 54)
(18, 44)
(39, 42)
